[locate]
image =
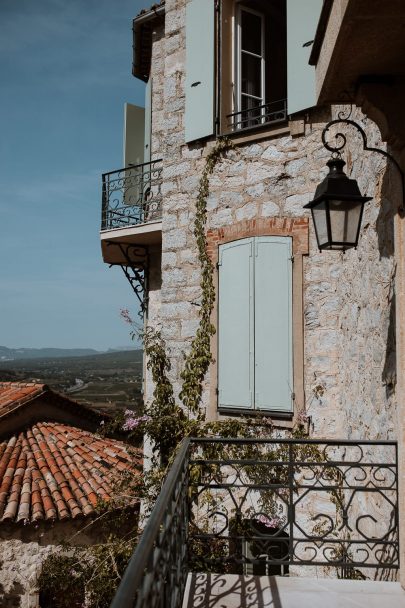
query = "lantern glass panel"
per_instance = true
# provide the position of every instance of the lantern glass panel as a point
(319, 215)
(344, 221)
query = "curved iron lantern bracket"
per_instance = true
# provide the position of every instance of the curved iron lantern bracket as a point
(336, 150)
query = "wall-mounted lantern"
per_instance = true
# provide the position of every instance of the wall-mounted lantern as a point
(337, 208)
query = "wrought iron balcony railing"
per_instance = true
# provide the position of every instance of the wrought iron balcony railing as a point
(132, 196)
(262, 507)
(268, 113)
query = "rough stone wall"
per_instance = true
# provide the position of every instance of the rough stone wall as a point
(157, 75)
(180, 272)
(348, 299)
(23, 549)
(157, 136)
(350, 312)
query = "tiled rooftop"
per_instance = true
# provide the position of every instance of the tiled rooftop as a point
(18, 396)
(54, 471)
(13, 394)
(154, 6)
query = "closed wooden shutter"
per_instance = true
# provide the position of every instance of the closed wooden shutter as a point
(255, 363)
(302, 20)
(273, 324)
(235, 325)
(200, 46)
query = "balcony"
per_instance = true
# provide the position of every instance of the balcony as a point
(258, 116)
(131, 209)
(236, 516)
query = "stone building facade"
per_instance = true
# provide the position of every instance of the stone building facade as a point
(344, 330)
(344, 311)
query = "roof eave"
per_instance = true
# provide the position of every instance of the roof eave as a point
(142, 41)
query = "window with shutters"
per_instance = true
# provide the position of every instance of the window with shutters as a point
(247, 63)
(254, 84)
(255, 359)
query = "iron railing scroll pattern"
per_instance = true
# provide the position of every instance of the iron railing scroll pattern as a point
(264, 507)
(132, 196)
(157, 572)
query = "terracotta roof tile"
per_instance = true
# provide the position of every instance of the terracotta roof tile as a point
(53, 471)
(13, 394)
(154, 6)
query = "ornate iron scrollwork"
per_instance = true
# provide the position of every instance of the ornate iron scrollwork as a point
(132, 195)
(341, 141)
(259, 506)
(136, 271)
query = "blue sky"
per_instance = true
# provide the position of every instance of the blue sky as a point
(65, 70)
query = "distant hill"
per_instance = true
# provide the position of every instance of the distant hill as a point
(13, 354)
(95, 360)
(109, 381)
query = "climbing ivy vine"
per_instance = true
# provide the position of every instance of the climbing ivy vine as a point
(200, 357)
(97, 570)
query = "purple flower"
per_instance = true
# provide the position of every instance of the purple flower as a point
(303, 417)
(131, 422)
(269, 522)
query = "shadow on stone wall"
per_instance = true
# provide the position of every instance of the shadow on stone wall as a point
(390, 196)
(11, 598)
(389, 373)
(385, 220)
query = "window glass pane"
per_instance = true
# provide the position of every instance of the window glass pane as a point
(321, 224)
(251, 76)
(251, 33)
(252, 112)
(344, 220)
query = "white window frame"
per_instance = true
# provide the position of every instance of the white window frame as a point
(238, 58)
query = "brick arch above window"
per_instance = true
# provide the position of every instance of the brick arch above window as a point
(296, 227)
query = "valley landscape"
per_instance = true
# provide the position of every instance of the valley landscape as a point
(109, 382)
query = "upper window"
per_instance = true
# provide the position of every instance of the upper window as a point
(247, 63)
(259, 86)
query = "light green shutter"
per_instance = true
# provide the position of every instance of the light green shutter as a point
(134, 133)
(148, 121)
(199, 114)
(235, 325)
(302, 20)
(273, 324)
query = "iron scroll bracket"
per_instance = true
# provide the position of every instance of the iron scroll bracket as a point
(135, 269)
(338, 147)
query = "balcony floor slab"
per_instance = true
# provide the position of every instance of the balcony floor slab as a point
(234, 591)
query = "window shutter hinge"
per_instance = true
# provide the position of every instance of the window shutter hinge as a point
(293, 396)
(292, 259)
(217, 5)
(218, 264)
(217, 391)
